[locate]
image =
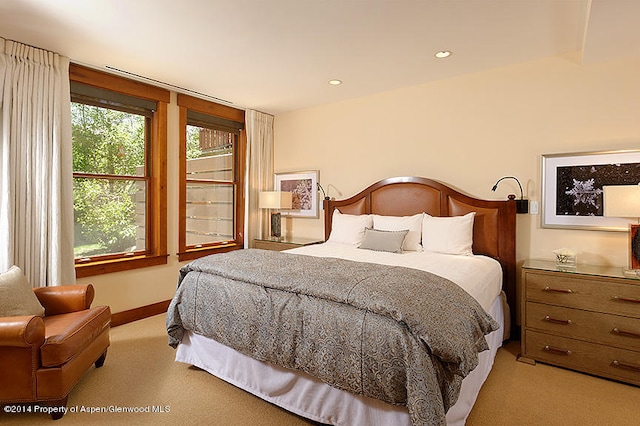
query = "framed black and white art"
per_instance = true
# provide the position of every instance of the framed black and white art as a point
(572, 193)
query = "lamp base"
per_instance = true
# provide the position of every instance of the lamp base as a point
(634, 246)
(276, 225)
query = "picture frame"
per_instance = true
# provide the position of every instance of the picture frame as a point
(572, 188)
(304, 186)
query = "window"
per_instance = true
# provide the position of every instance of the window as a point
(212, 159)
(119, 172)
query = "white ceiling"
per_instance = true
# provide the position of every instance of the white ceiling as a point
(277, 55)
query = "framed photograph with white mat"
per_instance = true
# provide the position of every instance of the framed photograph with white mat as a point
(572, 194)
(303, 186)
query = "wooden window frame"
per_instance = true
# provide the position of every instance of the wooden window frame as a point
(186, 102)
(156, 235)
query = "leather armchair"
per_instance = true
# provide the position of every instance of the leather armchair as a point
(42, 358)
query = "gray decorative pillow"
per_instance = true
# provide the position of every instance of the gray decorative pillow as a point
(16, 295)
(389, 241)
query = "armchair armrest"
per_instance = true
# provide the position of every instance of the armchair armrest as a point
(21, 331)
(65, 298)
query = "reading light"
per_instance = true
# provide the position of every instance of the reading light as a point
(323, 193)
(326, 194)
(522, 205)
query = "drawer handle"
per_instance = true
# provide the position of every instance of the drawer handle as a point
(558, 321)
(557, 290)
(625, 299)
(565, 352)
(616, 330)
(619, 364)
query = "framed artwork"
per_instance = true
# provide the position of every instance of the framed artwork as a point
(304, 186)
(572, 194)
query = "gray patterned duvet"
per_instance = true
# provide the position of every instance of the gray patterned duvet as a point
(400, 335)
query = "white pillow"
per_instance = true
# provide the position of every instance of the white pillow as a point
(349, 228)
(399, 223)
(451, 235)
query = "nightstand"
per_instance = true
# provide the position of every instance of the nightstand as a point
(586, 319)
(284, 244)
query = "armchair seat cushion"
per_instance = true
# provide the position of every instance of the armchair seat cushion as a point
(69, 334)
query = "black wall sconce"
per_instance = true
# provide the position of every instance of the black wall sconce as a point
(522, 205)
(322, 189)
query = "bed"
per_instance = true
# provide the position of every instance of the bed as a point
(364, 353)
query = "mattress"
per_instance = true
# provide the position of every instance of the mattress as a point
(480, 276)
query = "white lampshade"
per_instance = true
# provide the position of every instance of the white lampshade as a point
(275, 200)
(622, 200)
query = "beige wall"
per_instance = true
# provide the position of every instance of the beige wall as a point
(468, 132)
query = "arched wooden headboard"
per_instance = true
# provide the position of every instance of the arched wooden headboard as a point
(494, 228)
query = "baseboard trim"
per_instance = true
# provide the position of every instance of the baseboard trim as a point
(124, 317)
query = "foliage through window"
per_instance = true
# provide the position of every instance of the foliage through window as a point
(119, 172)
(110, 182)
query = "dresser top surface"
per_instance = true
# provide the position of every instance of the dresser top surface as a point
(301, 241)
(581, 269)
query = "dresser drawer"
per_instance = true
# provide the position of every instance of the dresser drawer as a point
(621, 332)
(614, 363)
(581, 292)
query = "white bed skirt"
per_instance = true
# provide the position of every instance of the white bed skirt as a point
(309, 397)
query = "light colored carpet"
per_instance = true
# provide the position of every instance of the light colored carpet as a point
(140, 373)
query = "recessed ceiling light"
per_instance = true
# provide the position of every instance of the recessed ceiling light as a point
(335, 82)
(443, 54)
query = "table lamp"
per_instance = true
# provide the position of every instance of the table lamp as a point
(275, 201)
(624, 201)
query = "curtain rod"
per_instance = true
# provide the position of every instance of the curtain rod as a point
(177, 88)
(169, 86)
(166, 85)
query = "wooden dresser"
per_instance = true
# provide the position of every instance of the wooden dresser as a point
(586, 319)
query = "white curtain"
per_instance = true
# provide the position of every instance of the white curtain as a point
(36, 187)
(259, 173)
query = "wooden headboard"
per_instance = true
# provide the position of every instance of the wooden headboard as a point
(494, 228)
